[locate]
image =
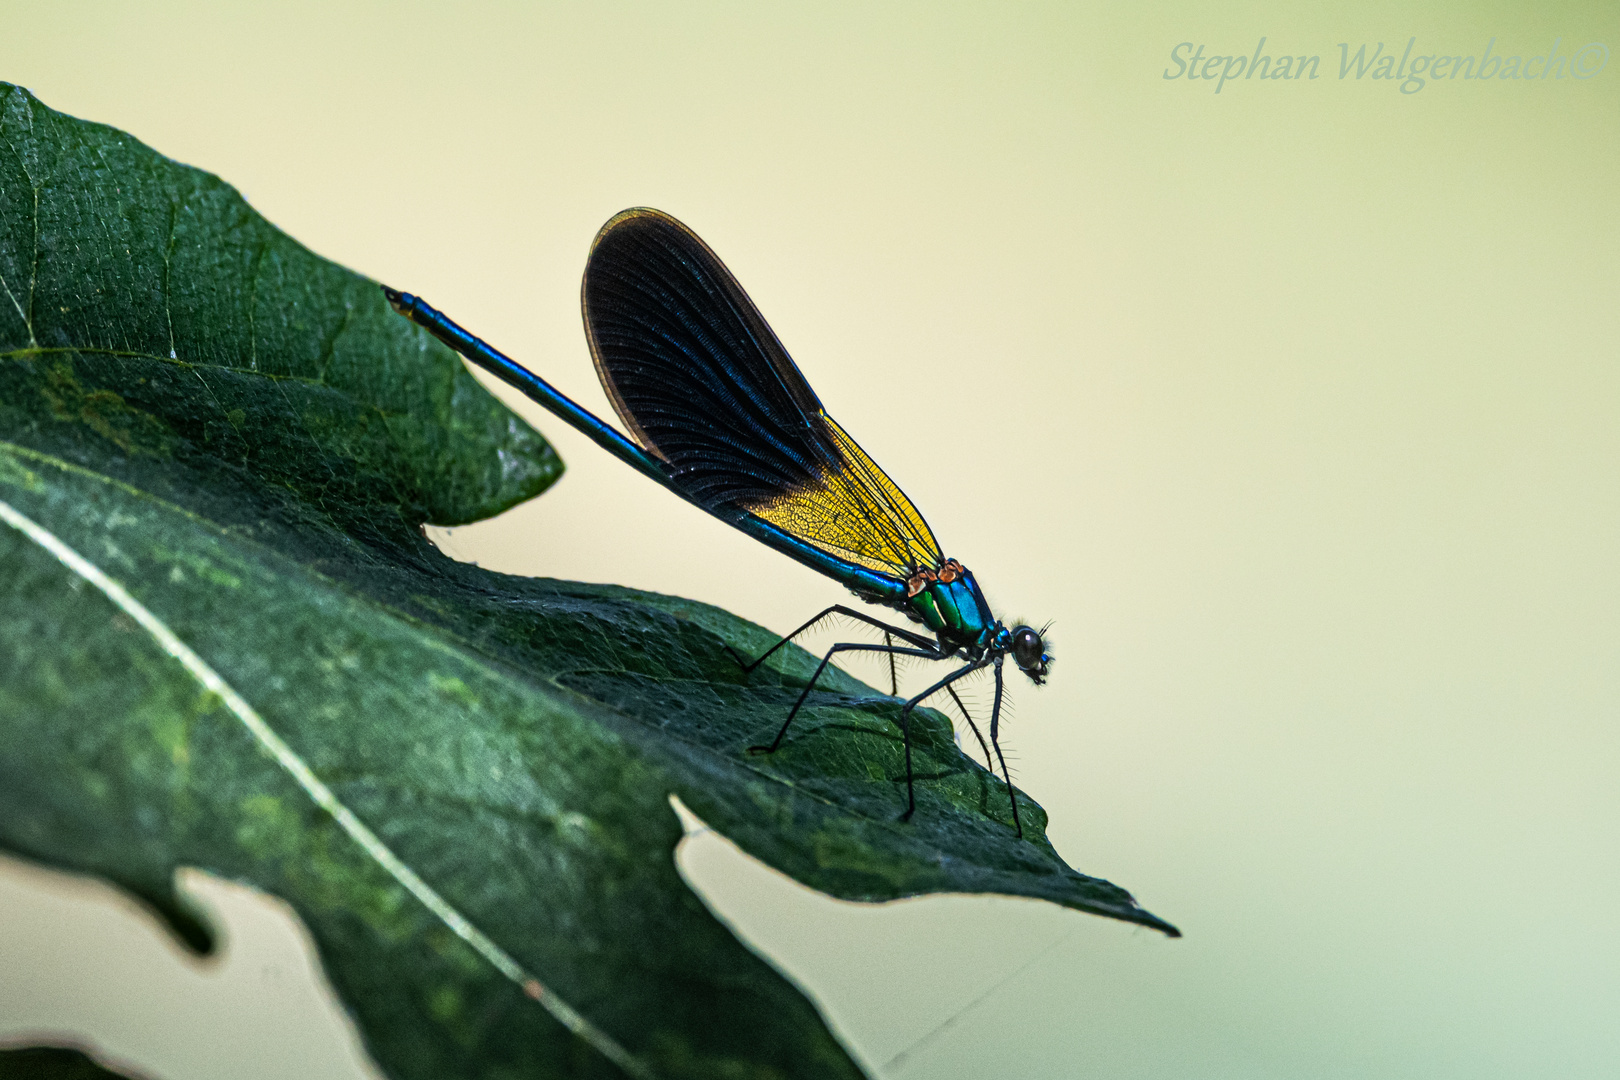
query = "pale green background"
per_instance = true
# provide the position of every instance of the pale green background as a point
(1294, 408)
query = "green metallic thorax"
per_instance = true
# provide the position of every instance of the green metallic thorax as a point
(956, 611)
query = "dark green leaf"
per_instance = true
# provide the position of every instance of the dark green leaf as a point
(54, 1063)
(245, 438)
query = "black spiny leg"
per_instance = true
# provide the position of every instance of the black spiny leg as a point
(894, 676)
(995, 721)
(905, 727)
(907, 636)
(847, 646)
(988, 761)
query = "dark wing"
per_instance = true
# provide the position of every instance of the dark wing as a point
(700, 380)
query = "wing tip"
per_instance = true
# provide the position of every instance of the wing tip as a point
(637, 215)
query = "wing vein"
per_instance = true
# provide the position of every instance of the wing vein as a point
(699, 378)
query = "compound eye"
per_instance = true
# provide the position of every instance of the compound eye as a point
(1026, 647)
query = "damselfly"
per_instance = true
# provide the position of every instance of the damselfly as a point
(718, 413)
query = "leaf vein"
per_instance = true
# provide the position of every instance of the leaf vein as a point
(33, 272)
(322, 795)
(168, 263)
(135, 354)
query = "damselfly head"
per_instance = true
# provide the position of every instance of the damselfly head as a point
(1029, 653)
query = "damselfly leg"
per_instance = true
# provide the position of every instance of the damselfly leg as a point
(905, 731)
(917, 640)
(918, 646)
(843, 646)
(995, 741)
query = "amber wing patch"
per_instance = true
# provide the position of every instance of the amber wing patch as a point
(852, 510)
